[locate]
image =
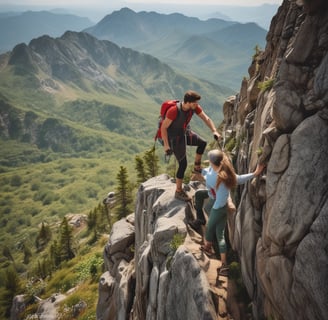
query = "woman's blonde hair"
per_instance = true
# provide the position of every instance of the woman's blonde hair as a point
(226, 172)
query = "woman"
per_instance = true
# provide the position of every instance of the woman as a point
(220, 179)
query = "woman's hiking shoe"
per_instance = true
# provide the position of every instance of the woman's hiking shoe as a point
(208, 251)
(181, 195)
(223, 270)
(196, 224)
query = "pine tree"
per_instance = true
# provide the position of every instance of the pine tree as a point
(12, 287)
(55, 256)
(27, 254)
(7, 253)
(103, 219)
(43, 237)
(140, 168)
(66, 240)
(39, 270)
(123, 193)
(99, 221)
(92, 219)
(151, 163)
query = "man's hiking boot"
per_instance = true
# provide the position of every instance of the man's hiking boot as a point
(181, 195)
(223, 270)
(197, 175)
(197, 170)
(197, 167)
(186, 187)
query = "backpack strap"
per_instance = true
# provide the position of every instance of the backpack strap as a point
(189, 115)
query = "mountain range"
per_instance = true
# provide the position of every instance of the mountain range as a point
(188, 44)
(24, 26)
(261, 15)
(217, 50)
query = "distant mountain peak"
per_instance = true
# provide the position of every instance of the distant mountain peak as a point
(163, 35)
(25, 26)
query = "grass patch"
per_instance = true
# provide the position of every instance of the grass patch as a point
(266, 84)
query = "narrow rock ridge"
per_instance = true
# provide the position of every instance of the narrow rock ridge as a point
(155, 268)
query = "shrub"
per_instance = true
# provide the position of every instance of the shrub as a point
(16, 181)
(231, 144)
(266, 85)
(259, 151)
(66, 166)
(35, 187)
(84, 295)
(177, 241)
(30, 311)
(23, 196)
(6, 210)
(89, 268)
(235, 274)
(62, 281)
(34, 212)
(47, 199)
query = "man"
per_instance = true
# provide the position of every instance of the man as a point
(176, 134)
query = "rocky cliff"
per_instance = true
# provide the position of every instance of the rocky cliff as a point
(279, 230)
(281, 234)
(155, 269)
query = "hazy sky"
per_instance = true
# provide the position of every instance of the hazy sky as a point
(118, 3)
(97, 9)
(64, 3)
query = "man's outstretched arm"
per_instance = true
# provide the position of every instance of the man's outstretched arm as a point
(208, 121)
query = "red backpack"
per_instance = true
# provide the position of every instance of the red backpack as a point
(166, 105)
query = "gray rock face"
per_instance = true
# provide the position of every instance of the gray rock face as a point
(281, 233)
(166, 276)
